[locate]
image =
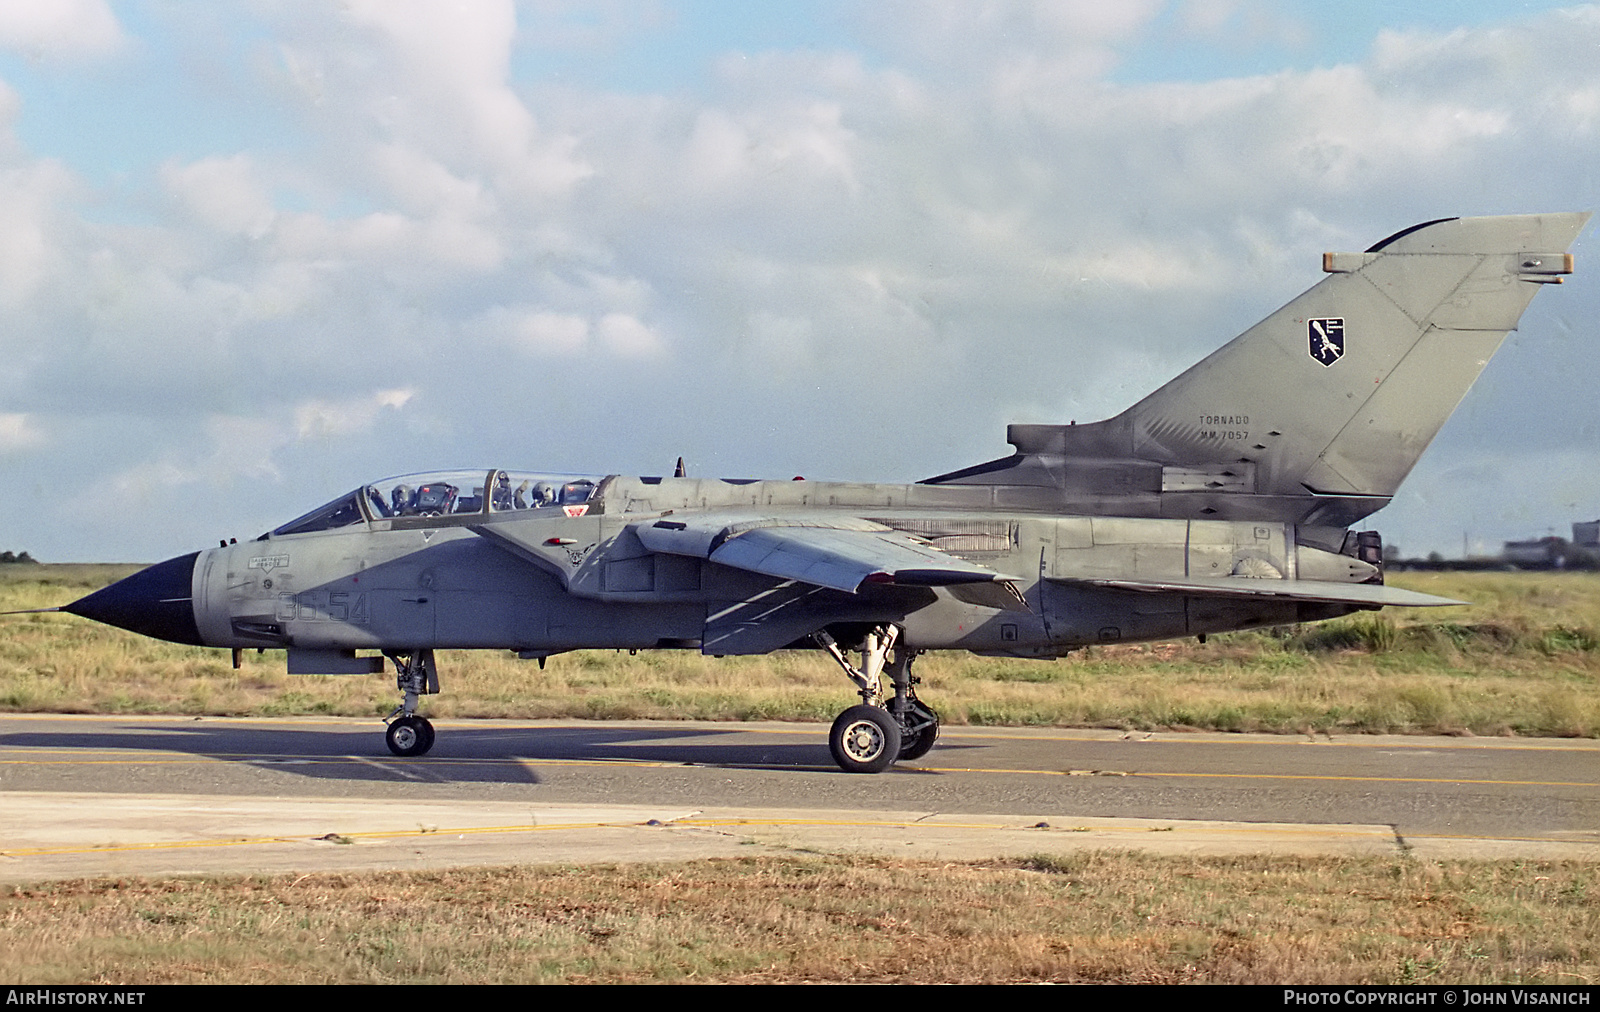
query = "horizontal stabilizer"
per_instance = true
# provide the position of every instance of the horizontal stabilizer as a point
(1327, 592)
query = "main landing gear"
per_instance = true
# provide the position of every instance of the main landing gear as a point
(408, 734)
(879, 732)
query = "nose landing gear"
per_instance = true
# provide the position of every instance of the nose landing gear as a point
(408, 734)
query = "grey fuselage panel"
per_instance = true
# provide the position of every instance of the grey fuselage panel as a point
(547, 583)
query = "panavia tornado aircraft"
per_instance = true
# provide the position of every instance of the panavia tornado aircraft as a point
(1223, 500)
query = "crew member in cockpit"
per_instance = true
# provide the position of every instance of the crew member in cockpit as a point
(501, 499)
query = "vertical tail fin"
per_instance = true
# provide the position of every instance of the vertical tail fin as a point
(1341, 390)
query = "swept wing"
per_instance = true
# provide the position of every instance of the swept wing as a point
(841, 553)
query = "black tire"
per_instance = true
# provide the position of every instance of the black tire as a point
(409, 736)
(917, 744)
(865, 739)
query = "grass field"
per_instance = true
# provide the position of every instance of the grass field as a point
(1523, 659)
(1103, 918)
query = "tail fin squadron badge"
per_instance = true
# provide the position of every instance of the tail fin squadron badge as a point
(1327, 339)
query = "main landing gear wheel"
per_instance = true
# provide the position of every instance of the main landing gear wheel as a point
(915, 745)
(409, 736)
(865, 739)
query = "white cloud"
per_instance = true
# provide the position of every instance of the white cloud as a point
(449, 94)
(17, 432)
(232, 448)
(65, 28)
(780, 341)
(539, 331)
(1017, 47)
(33, 228)
(1238, 23)
(586, 25)
(322, 419)
(224, 193)
(628, 337)
(807, 141)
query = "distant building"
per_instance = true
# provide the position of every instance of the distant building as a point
(1540, 552)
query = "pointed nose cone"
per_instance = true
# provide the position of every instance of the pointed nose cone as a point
(153, 602)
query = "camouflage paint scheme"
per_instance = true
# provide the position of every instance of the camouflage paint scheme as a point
(1221, 501)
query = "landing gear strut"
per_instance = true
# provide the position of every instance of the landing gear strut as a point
(408, 734)
(871, 737)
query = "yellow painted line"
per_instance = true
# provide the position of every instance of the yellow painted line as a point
(1381, 780)
(162, 845)
(1258, 738)
(189, 761)
(657, 764)
(960, 731)
(257, 841)
(601, 761)
(271, 760)
(1257, 776)
(1487, 744)
(1174, 826)
(719, 728)
(1081, 773)
(1413, 837)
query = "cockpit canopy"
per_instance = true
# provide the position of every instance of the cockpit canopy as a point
(446, 493)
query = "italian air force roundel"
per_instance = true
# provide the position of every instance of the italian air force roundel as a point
(1326, 339)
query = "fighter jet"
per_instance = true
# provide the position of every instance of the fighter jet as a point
(1222, 501)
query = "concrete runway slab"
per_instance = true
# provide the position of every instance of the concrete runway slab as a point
(71, 835)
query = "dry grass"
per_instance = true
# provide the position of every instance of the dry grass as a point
(1092, 918)
(1525, 660)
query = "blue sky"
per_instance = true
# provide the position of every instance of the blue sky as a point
(167, 95)
(254, 253)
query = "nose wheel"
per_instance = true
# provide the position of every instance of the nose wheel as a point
(409, 736)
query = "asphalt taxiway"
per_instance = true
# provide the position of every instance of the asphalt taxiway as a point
(165, 795)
